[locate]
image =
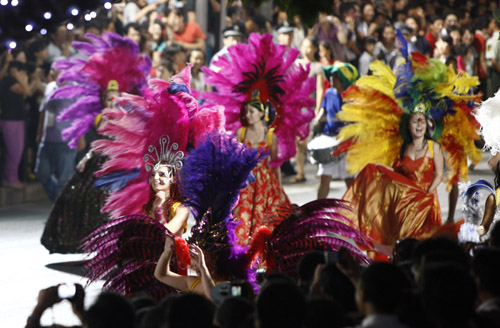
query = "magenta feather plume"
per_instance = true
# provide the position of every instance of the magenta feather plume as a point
(261, 64)
(208, 118)
(130, 199)
(297, 112)
(164, 109)
(111, 57)
(130, 138)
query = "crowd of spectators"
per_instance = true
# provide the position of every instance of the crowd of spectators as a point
(433, 283)
(173, 33)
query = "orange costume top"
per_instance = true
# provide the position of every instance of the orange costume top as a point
(259, 197)
(390, 205)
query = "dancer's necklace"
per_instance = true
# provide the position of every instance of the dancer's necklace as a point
(422, 148)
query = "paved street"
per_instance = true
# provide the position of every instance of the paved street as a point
(24, 259)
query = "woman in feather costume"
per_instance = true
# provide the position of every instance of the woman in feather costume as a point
(131, 247)
(147, 140)
(256, 82)
(211, 181)
(394, 120)
(113, 66)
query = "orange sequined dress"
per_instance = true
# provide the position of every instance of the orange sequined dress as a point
(259, 197)
(391, 205)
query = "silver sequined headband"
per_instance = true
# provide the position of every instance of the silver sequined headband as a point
(168, 154)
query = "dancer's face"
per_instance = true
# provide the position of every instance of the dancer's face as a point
(253, 115)
(110, 99)
(162, 178)
(418, 125)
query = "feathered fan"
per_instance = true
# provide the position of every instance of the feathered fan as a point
(298, 230)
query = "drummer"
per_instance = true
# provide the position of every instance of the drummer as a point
(341, 76)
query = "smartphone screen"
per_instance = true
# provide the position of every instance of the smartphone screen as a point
(65, 291)
(235, 290)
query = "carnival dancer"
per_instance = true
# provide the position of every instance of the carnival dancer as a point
(113, 66)
(211, 180)
(215, 171)
(391, 119)
(147, 139)
(256, 82)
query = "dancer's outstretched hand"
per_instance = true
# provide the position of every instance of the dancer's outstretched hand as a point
(197, 258)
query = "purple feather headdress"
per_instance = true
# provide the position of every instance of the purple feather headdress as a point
(111, 57)
(264, 66)
(210, 181)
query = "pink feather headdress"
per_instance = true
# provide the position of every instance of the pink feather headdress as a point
(166, 116)
(111, 57)
(263, 65)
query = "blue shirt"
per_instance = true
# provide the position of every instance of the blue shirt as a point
(332, 104)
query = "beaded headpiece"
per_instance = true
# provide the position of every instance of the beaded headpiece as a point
(168, 156)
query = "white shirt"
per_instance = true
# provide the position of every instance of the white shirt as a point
(493, 48)
(222, 52)
(364, 63)
(129, 13)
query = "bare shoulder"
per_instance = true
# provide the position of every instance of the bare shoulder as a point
(437, 150)
(436, 146)
(182, 209)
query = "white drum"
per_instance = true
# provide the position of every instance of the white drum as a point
(321, 148)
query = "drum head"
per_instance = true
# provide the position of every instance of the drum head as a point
(322, 142)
